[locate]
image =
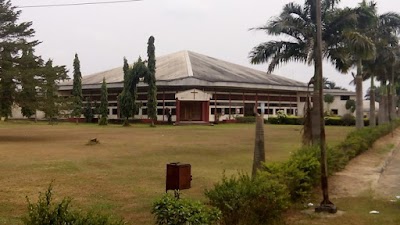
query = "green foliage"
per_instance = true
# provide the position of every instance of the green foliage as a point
(348, 120)
(169, 210)
(328, 98)
(299, 174)
(51, 103)
(77, 89)
(127, 97)
(351, 105)
(27, 98)
(47, 212)
(243, 200)
(292, 120)
(151, 81)
(15, 38)
(246, 119)
(88, 111)
(126, 103)
(103, 109)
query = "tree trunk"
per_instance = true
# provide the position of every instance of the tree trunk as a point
(359, 97)
(259, 147)
(386, 101)
(382, 106)
(315, 120)
(392, 98)
(372, 117)
(326, 205)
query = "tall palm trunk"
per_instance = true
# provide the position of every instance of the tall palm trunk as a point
(326, 205)
(315, 117)
(372, 116)
(359, 97)
(259, 147)
(382, 104)
(392, 97)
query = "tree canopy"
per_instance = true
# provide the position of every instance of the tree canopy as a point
(24, 77)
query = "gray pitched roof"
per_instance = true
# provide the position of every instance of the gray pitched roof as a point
(190, 68)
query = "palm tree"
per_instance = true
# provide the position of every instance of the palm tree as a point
(297, 24)
(386, 41)
(361, 47)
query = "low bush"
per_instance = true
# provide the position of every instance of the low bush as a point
(246, 201)
(246, 119)
(289, 120)
(262, 200)
(348, 120)
(47, 212)
(299, 174)
(333, 121)
(170, 210)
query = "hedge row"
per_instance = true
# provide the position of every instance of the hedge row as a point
(296, 179)
(346, 120)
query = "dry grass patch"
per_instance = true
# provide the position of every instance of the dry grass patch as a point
(125, 173)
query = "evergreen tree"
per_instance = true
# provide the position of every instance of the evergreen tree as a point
(103, 110)
(138, 70)
(126, 104)
(77, 90)
(88, 111)
(51, 103)
(15, 38)
(151, 81)
(125, 98)
(27, 97)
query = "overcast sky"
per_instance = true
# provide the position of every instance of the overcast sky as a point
(103, 34)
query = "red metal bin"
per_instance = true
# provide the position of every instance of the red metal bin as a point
(178, 176)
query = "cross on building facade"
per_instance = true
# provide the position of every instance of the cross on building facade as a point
(194, 93)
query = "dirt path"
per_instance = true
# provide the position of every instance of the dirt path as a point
(376, 171)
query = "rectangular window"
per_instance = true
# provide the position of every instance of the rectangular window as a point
(144, 111)
(226, 111)
(269, 111)
(218, 111)
(170, 103)
(344, 97)
(290, 111)
(335, 112)
(115, 111)
(160, 111)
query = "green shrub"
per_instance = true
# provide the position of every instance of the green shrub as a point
(334, 121)
(169, 210)
(246, 201)
(290, 120)
(348, 120)
(47, 212)
(246, 119)
(300, 173)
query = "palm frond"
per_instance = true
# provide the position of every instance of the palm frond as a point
(361, 46)
(277, 52)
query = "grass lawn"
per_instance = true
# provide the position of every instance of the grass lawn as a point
(353, 211)
(125, 173)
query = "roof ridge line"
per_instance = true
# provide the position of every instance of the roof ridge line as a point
(188, 64)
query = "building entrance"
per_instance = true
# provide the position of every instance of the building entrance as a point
(191, 111)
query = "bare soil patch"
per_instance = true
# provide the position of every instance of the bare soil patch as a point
(376, 171)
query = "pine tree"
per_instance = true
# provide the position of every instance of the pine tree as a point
(88, 111)
(77, 90)
(151, 81)
(103, 110)
(125, 98)
(51, 103)
(29, 70)
(138, 70)
(15, 38)
(126, 104)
